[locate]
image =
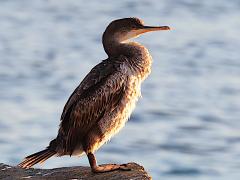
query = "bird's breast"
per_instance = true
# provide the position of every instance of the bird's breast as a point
(116, 119)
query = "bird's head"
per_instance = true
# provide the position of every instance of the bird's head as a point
(127, 28)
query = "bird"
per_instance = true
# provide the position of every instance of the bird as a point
(103, 102)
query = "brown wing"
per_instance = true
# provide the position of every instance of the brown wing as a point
(98, 93)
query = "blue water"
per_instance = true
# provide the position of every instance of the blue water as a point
(187, 123)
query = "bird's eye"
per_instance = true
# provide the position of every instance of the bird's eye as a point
(134, 26)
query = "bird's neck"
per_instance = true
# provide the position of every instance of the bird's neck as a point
(115, 48)
(138, 56)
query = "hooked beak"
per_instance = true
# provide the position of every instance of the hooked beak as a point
(154, 28)
(135, 33)
(145, 29)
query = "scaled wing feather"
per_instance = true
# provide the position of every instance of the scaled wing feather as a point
(99, 93)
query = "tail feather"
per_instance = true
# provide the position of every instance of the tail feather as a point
(35, 158)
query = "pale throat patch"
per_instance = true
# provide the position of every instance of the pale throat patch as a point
(130, 35)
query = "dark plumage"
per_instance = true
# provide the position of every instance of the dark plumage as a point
(100, 106)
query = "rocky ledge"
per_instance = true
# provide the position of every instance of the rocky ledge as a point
(12, 172)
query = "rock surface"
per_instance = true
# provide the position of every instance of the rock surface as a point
(12, 172)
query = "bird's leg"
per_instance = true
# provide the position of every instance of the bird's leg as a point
(106, 167)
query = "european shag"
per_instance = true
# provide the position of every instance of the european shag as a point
(102, 103)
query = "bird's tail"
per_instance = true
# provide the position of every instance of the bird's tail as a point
(35, 158)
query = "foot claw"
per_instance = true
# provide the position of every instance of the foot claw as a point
(110, 167)
(102, 165)
(124, 167)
